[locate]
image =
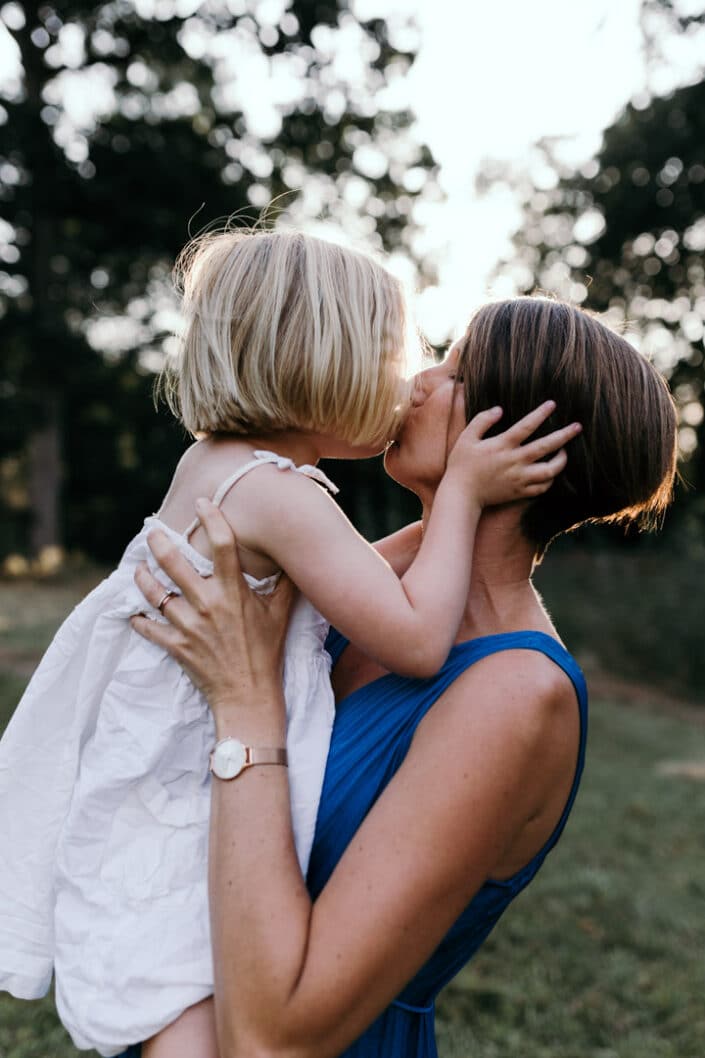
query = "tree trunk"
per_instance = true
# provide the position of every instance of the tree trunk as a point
(44, 484)
(44, 444)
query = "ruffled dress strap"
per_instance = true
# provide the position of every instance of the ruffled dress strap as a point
(260, 458)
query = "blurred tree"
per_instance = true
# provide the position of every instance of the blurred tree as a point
(124, 120)
(659, 18)
(625, 235)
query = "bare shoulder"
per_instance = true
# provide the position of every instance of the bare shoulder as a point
(263, 497)
(511, 721)
(521, 681)
(276, 513)
(519, 698)
(270, 499)
(202, 468)
(207, 463)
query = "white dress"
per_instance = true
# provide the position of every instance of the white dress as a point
(104, 807)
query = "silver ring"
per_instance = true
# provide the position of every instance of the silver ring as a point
(164, 600)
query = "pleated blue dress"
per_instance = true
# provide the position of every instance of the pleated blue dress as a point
(373, 729)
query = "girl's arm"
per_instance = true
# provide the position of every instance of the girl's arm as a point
(296, 979)
(407, 625)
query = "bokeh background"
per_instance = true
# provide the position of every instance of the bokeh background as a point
(487, 150)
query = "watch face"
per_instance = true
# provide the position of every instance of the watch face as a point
(229, 758)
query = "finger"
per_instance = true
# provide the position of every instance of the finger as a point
(176, 565)
(226, 564)
(282, 599)
(151, 588)
(153, 591)
(481, 423)
(543, 446)
(156, 632)
(537, 489)
(278, 613)
(548, 470)
(531, 422)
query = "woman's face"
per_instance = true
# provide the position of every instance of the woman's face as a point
(417, 458)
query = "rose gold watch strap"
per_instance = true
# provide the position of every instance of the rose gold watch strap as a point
(264, 755)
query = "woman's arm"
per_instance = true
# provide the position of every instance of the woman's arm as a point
(407, 625)
(299, 979)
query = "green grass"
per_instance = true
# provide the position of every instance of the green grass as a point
(600, 958)
(635, 611)
(30, 610)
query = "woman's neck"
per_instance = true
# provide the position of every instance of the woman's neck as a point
(501, 597)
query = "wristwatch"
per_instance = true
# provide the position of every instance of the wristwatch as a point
(230, 758)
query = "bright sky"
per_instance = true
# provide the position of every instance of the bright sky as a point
(490, 80)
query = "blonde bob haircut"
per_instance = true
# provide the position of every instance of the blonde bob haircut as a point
(287, 331)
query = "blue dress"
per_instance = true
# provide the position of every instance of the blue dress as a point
(373, 729)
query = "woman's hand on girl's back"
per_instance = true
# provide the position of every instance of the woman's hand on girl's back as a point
(507, 466)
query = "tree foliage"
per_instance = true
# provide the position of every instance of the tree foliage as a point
(625, 235)
(129, 123)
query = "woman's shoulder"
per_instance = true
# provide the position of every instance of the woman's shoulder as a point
(517, 717)
(521, 691)
(531, 663)
(525, 685)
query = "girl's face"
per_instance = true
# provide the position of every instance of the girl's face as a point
(436, 417)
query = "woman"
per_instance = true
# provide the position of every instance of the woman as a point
(442, 797)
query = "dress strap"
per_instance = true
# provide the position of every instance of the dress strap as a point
(288, 464)
(259, 458)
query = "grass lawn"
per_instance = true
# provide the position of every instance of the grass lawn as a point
(601, 958)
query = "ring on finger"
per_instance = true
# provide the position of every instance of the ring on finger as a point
(166, 597)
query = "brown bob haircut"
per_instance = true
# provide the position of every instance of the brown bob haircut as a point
(622, 467)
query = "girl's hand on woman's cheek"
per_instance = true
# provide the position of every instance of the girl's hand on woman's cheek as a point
(229, 640)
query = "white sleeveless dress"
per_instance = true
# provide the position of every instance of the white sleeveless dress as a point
(104, 806)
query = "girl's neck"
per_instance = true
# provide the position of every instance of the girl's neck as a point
(299, 446)
(302, 446)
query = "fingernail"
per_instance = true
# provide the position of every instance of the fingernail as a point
(550, 404)
(496, 410)
(201, 504)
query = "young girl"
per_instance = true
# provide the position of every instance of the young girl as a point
(294, 350)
